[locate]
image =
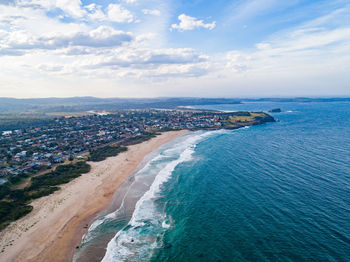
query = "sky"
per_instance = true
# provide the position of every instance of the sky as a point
(167, 48)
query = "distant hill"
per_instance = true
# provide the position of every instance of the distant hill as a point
(81, 104)
(299, 99)
(78, 104)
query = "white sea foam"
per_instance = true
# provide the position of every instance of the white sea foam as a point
(165, 225)
(139, 237)
(113, 215)
(154, 165)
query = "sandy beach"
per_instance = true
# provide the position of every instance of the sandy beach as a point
(55, 226)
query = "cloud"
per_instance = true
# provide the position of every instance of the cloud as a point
(129, 1)
(18, 40)
(50, 68)
(180, 71)
(304, 50)
(147, 57)
(95, 12)
(151, 12)
(72, 7)
(103, 36)
(117, 13)
(237, 61)
(133, 64)
(190, 23)
(76, 44)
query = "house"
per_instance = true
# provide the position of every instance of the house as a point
(6, 133)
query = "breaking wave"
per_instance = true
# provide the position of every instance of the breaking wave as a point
(142, 234)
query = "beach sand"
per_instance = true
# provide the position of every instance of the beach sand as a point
(58, 221)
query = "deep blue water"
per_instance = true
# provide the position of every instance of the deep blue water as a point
(275, 192)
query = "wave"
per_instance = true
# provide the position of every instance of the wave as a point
(137, 240)
(115, 213)
(152, 167)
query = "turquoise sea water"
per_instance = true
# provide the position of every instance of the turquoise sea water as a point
(275, 192)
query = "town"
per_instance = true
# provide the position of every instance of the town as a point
(30, 150)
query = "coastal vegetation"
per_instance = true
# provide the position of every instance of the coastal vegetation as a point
(14, 203)
(11, 211)
(102, 153)
(61, 175)
(240, 119)
(140, 138)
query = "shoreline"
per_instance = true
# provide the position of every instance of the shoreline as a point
(57, 223)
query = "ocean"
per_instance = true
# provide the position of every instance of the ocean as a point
(274, 192)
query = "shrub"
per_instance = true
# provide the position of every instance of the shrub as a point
(102, 153)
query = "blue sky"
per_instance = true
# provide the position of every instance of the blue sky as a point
(138, 48)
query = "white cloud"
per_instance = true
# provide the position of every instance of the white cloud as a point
(95, 12)
(117, 13)
(237, 61)
(129, 1)
(180, 71)
(190, 23)
(151, 12)
(301, 51)
(72, 7)
(149, 57)
(89, 50)
(103, 36)
(50, 67)
(33, 20)
(19, 40)
(132, 63)
(60, 53)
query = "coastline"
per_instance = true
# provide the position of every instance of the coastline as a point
(58, 221)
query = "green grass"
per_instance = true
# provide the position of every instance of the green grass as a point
(247, 119)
